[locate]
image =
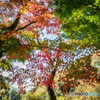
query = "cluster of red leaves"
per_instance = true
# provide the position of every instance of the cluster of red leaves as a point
(20, 53)
(39, 69)
(81, 70)
(49, 82)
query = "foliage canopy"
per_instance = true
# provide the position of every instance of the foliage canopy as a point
(81, 20)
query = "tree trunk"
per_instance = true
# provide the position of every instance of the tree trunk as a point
(51, 93)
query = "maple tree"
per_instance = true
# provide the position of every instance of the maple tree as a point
(20, 37)
(43, 66)
(21, 24)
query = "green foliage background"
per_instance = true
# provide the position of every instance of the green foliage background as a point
(81, 20)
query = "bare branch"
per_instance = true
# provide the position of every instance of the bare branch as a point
(26, 25)
(38, 41)
(15, 23)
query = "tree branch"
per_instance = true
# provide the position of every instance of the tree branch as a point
(15, 23)
(26, 25)
(40, 46)
(38, 41)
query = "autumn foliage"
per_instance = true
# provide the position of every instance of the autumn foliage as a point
(23, 24)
